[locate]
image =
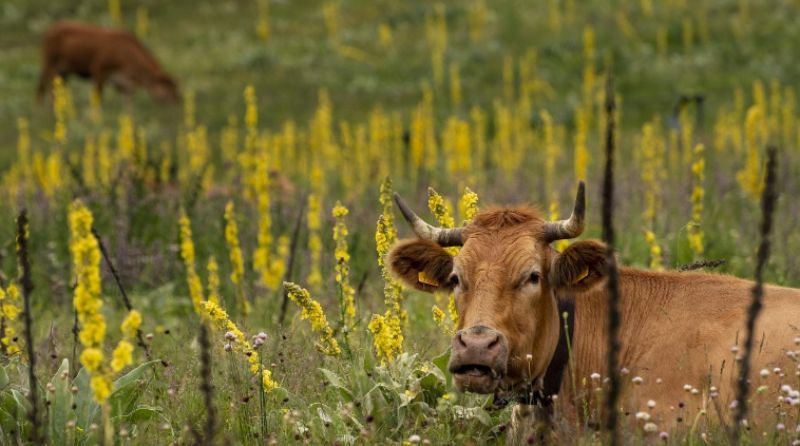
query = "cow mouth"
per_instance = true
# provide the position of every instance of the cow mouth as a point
(476, 378)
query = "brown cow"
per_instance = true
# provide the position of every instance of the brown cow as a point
(104, 55)
(512, 289)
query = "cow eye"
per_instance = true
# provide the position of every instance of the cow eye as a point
(534, 278)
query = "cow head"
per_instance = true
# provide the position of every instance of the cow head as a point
(164, 88)
(506, 279)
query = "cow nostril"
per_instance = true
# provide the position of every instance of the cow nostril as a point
(494, 343)
(460, 341)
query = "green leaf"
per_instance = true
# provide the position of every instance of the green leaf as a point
(3, 378)
(441, 362)
(336, 382)
(128, 389)
(60, 404)
(142, 413)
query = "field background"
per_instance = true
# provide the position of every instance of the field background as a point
(368, 90)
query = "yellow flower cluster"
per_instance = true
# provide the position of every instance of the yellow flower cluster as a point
(213, 280)
(234, 249)
(188, 256)
(88, 303)
(60, 105)
(9, 304)
(250, 119)
(262, 24)
(314, 223)
(750, 178)
(346, 291)
(214, 314)
(269, 266)
(655, 250)
(311, 309)
(695, 229)
(581, 150)
(468, 205)
(440, 208)
(387, 335)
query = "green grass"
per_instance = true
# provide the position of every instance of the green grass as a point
(212, 49)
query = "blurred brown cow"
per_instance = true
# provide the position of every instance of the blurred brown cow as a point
(104, 55)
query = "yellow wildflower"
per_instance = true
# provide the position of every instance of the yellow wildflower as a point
(314, 223)
(101, 387)
(387, 336)
(122, 356)
(346, 291)
(312, 311)
(695, 229)
(468, 205)
(91, 358)
(188, 255)
(213, 313)
(232, 237)
(213, 279)
(131, 323)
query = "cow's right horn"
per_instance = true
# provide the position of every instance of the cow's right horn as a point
(425, 231)
(571, 227)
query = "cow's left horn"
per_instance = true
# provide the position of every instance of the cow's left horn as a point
(425, 231)
(573, 226)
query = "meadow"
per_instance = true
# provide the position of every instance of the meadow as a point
(248, 301)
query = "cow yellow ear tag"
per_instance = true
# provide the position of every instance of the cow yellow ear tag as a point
(423, 278)
(582, 275)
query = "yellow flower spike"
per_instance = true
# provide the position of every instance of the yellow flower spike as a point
(468, 205)
(122, 356)
(314, 223)
(311, 310)
(188, 255)
(60, 105)
(695, 228)
(91, 358)
(131, 324)
(211, 312)
(101, 387)
(346, 291)
(213, 279)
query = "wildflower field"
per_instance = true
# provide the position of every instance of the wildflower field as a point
(212, 272)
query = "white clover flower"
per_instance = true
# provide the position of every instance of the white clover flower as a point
(776, 370)
(734, 349)
(230, 336)
(528, 357)
(594, 376)
(733, 405)
(228, 347)
(637, 380)
(624, 371)
(651, 404)
(650, 427)
(642, 416)
(786, 388)
(764, 373)
(712, 389)
(414, 439)
(687, 387)
(695, 391)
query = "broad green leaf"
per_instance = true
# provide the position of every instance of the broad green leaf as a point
(336, 382)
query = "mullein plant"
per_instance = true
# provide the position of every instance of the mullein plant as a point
(88, 305)
(442, 210)
(695, 228)
(311, 310)
(236, 259)
(193, 281)
(386, 329)
(9, 313)
(345, 291)
(652, 174)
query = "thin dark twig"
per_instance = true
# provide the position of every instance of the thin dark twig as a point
(125, 300)
(27, 288)
(700, 264)
(613, 274)
(768, 199)
(290, 264)
(206, 387)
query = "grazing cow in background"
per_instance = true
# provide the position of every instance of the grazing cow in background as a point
(514, 293)
(104, 55)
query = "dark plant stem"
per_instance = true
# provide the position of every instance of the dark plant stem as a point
(125, 300)
(700, 264)
(206, 387)
(768, 199)
(27, 288)
(290, 264)
(613, 275)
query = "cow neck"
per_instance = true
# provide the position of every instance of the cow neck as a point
(554, 374)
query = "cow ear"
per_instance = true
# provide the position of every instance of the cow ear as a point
(579, 267)
(422, 265)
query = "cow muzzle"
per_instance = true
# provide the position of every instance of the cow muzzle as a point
(479, 359)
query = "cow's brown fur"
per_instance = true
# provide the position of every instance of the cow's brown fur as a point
(677, 328)
(103, 55)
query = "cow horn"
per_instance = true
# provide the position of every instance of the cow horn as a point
(571, 227)
(442, 236)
